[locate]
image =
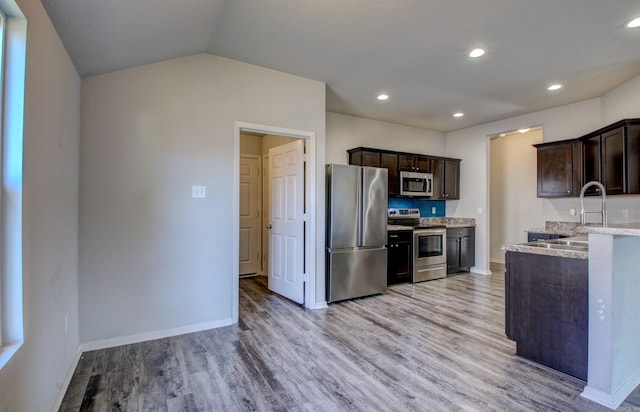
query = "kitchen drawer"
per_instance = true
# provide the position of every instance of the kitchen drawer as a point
(460, 231)
(394, 236)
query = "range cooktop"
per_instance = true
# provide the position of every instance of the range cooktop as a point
(409, 217)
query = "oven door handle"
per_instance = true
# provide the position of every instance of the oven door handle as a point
(430, 269)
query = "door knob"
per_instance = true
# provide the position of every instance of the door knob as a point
(269, 227)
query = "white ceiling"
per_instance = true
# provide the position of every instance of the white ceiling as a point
(415, 50)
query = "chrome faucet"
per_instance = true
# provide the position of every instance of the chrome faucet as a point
(603, 211)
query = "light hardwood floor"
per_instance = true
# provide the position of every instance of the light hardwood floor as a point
(432, 346)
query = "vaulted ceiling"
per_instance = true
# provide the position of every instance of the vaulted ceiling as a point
(416, 51)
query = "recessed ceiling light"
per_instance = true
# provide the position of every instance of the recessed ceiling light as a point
(477, 52)
(554, 87)
(634, 23)
(383, 96)
(523, 130)
(503, 134)
(458, 114)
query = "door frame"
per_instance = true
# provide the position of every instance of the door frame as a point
(310, 215)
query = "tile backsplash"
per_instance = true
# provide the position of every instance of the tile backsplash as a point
(426, 206)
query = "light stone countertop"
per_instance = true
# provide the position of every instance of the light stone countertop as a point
(622, 229)
(571, 229)
(449, 222)
(574, 228)
(573, 254)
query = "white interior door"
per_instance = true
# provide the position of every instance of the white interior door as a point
(250, 208)
(286, 241)
(266, 201)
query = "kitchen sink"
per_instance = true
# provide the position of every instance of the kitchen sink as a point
(568, 242)
(578, 244)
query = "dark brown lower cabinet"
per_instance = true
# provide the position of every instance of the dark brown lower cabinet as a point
(546, 310)
(461, 247)
(399, 256)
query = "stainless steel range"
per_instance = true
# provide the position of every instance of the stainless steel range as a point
(429, 244)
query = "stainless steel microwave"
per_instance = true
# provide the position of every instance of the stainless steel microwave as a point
(416, 184)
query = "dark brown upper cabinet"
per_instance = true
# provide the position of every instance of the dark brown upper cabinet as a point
(364, 158)
(390, 161)
(610, 155)
(604, 160)
(559, 168)
(592, 162)
(415, 162)
(446, 178)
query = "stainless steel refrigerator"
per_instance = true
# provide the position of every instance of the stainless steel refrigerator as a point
(356, 231)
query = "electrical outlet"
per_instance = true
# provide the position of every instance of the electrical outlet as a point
(198, 192)
(479, 210)
(625, 213)
(433, 210)
(601, 309)
(66, 322)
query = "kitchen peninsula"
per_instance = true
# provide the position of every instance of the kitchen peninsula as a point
(546, 303)
(612, 307)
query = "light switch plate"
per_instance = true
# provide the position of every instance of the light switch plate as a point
(198, 192)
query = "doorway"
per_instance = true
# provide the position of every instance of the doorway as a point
(513, 203)
(251, 140)
(255, 199)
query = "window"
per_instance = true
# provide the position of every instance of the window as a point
(2, 37)
(13, 30)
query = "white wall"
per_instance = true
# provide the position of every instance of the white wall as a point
(622, 102)
(33, 378)
(471, 145)
(250, 144)
(270, 141)
(153, 259)
(560, 123)
(347, 132)
(514, 205)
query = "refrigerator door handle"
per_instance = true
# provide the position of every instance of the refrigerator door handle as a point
(373, 206)
(360, 203)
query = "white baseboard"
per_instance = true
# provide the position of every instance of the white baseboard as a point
(142, 337)
(479, 271)
(498, 261)
(319, 305)
(615, 399)
(57, 402)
